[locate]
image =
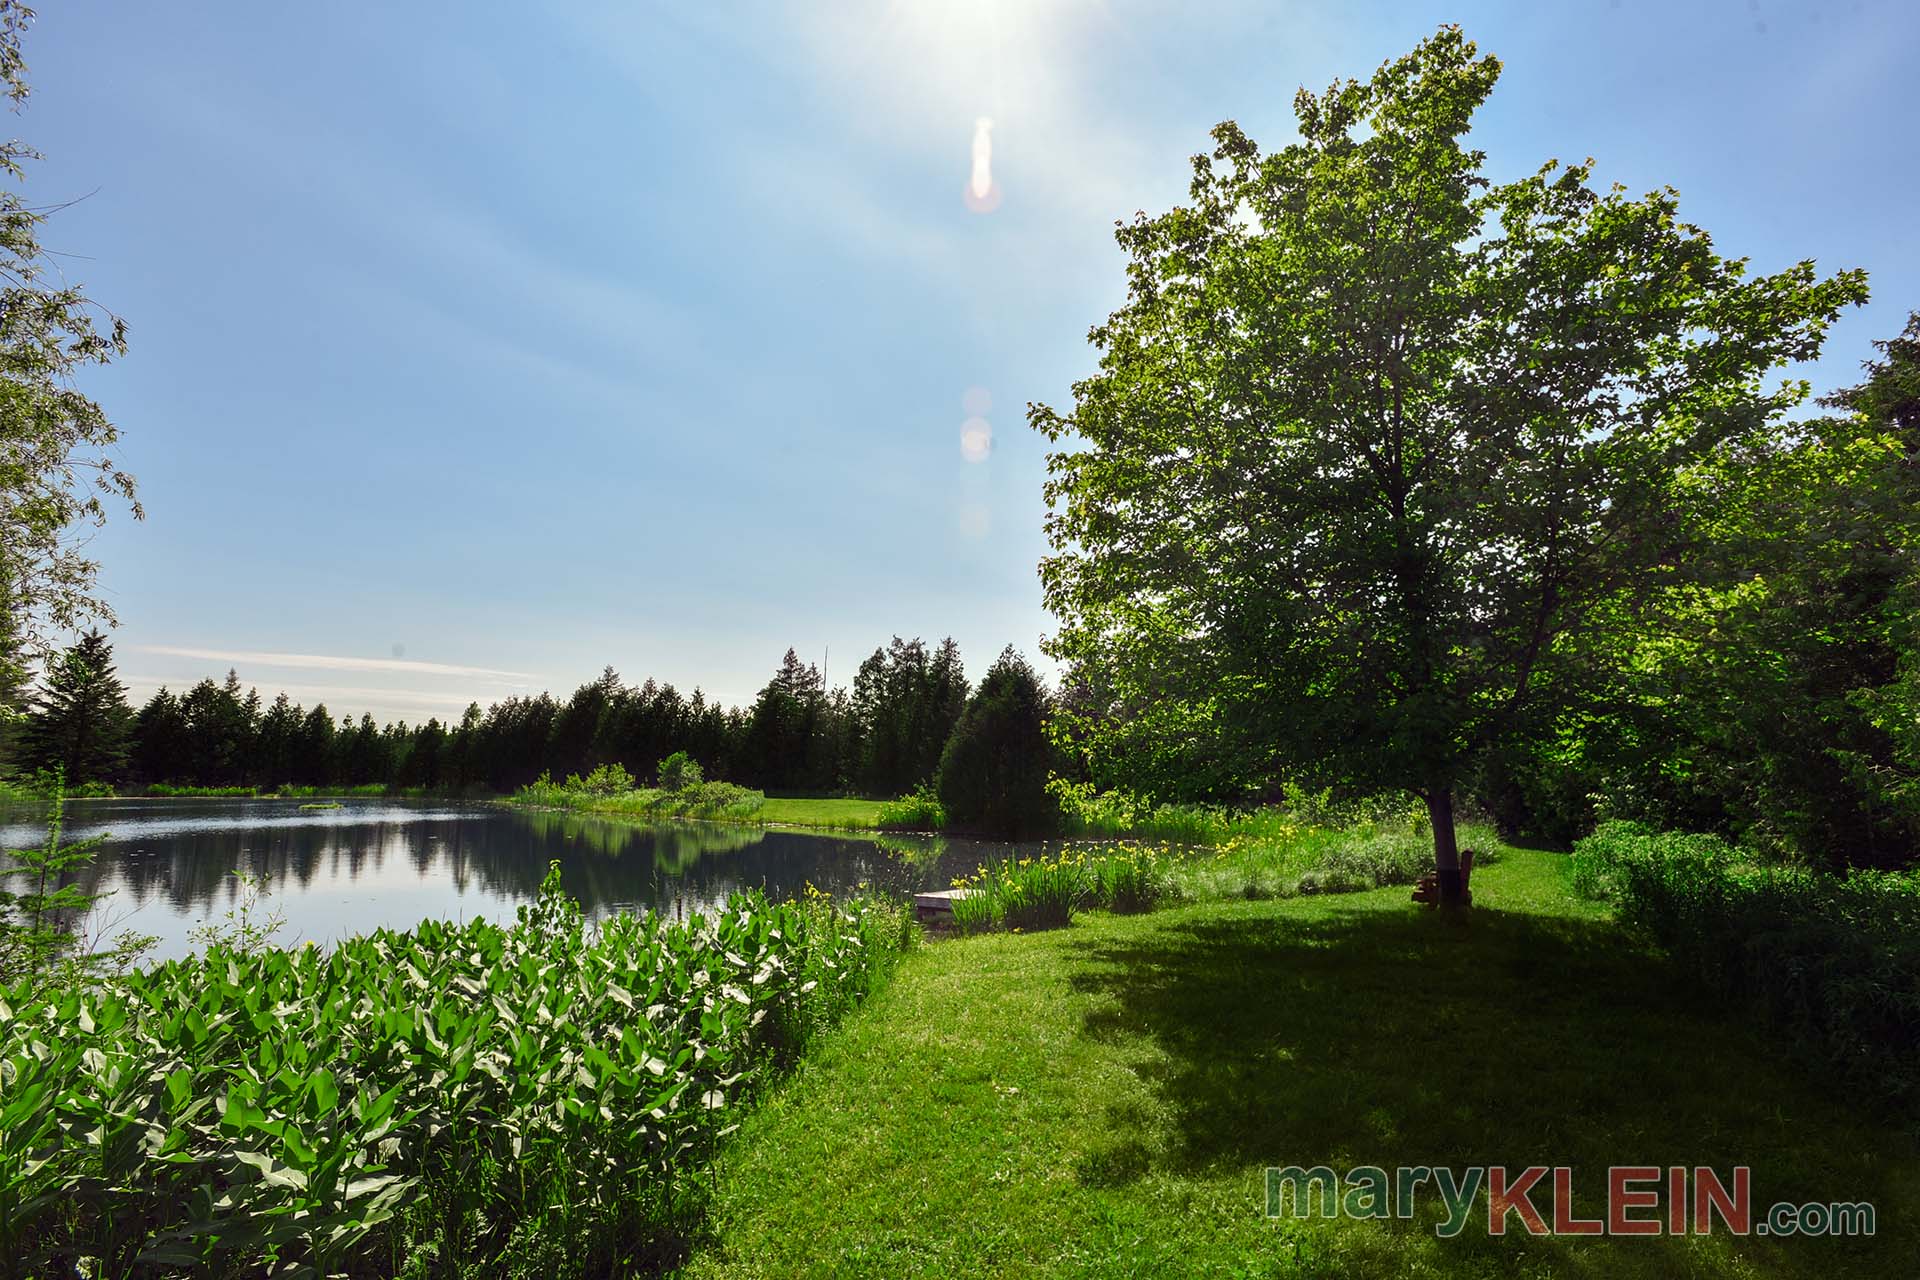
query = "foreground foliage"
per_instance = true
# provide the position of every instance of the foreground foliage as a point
(452, 1100)
(1832, 963)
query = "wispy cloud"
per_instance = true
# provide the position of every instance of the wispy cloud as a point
(413, 706)
(333, 662)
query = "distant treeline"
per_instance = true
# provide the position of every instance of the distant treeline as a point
(882, 737)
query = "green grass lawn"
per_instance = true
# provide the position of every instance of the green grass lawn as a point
(1102, 1100)
(844, 813)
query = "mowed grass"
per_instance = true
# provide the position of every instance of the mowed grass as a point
(843, 813)
(1102, 1100)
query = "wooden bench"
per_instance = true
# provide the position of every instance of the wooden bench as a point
(1427, 888)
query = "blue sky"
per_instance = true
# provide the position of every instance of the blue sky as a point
(476, 347)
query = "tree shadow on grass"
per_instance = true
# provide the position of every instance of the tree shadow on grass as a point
(1354, 1037)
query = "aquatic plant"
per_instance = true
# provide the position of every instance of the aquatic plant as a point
(1042, 891)
(507, 1097)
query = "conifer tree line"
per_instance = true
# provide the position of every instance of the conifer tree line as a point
(884, 736)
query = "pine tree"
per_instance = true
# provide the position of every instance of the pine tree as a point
(314, 749)
(220, 724)
(80, 718)
(161, 751)
(273, 753)
(993, 774)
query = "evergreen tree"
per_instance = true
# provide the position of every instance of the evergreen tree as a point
(993, 774)
(219, 732)
(273, 753)
(571, 748)
(366, 759)
(313, 749)
(459, 765)
(787, 716)
(80, 719)
(904, 706)
(946, 701)
(424, 764)
(161, 749)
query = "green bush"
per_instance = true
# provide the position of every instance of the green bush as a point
(919, 811)
(1087, 812)
(718, 800)
(680, 771)
(696, 800)
(1601, 861)
(536, 1100)
(1831, 963)
(606, 780)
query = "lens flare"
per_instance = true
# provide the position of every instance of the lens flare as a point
(977, 402)
(976, 439)
(982, 194)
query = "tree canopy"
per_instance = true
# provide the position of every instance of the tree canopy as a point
(57, 467)
(1373, 434)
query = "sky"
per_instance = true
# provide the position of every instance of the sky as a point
(477, 347)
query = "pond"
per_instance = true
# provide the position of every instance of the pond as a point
(375, 863)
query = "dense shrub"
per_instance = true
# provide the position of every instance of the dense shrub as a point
(716, 800)
(993, 774)
(696, 800)
(606, 780)
(919, 810)
(456, 1099)
(1831, 962)
(1602, 861)
(680, 771)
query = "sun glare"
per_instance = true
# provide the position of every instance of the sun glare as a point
(976, 439)
(982, 195)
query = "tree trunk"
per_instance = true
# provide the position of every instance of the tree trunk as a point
(1446, 848)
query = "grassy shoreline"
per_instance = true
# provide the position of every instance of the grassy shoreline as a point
(829, 813)
(1102, 1099)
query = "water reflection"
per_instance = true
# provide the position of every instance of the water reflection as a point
(372, 863)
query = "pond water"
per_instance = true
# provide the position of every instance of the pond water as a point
(371, 863)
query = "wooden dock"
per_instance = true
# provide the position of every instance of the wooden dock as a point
(936, 906)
